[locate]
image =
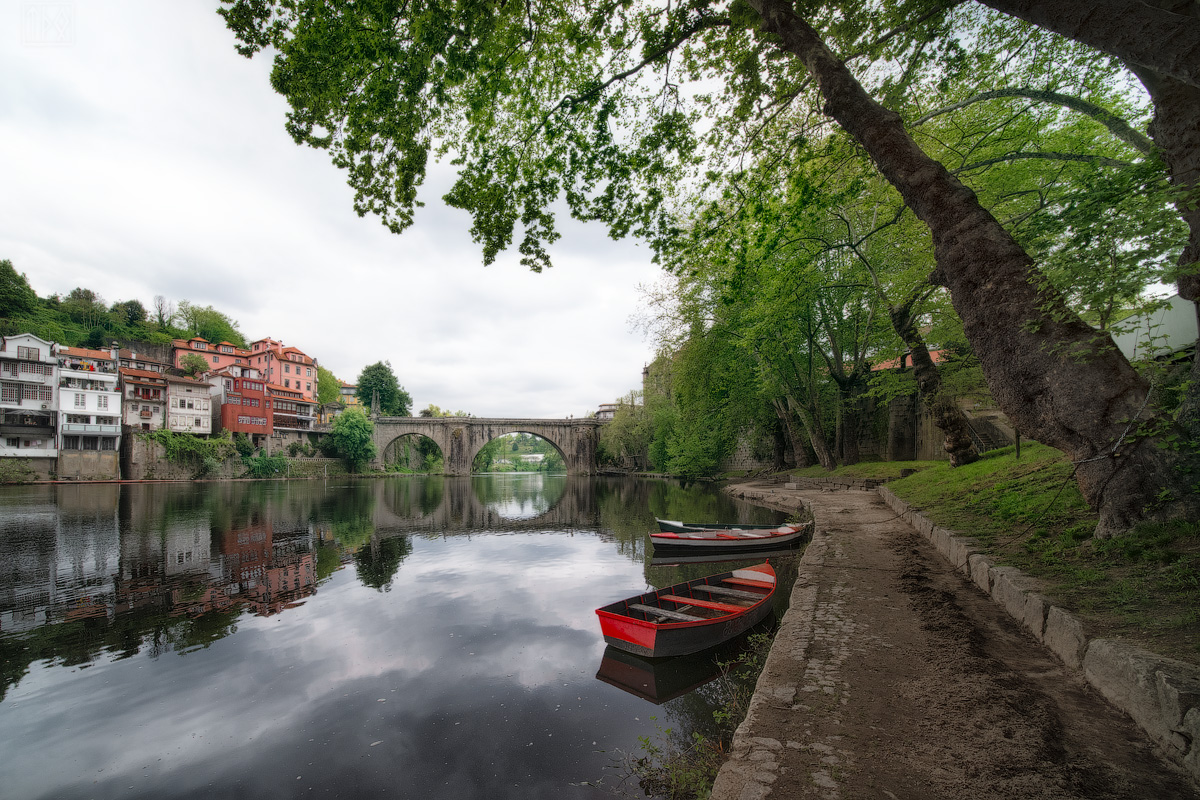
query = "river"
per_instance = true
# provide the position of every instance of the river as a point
(419, 637)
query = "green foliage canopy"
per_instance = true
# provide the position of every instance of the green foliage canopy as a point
(351, 437)
(379, 378)
(329, 388)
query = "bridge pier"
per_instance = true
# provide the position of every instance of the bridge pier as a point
(461, 438)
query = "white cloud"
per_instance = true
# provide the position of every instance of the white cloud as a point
(145, 157)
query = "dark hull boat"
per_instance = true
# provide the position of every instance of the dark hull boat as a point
(732, 539)
(692, 616)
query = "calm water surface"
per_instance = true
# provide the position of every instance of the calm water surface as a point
(409, 637)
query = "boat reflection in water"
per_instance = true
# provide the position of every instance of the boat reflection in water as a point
(659, 680)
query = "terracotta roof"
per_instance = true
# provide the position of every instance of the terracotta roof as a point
(83, 352)
(181, 379)
(127, 372)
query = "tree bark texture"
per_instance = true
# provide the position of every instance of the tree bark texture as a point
(1132, 30)
(796, 450)
(1057, 379)
(816, 435)
(1176, 132)
(947, 416)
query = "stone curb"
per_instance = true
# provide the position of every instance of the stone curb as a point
(1160, 694)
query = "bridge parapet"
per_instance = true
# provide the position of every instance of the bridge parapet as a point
(461, 438)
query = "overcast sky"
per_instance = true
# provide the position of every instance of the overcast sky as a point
(142, 156)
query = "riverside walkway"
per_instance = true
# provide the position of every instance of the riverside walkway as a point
(893, 676)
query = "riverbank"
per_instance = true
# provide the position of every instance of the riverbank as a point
(895, 675)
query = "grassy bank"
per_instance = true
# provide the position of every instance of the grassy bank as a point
(1028, 513)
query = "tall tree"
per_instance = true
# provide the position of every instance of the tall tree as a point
(329, 388)
(351, 437)
(208, 323)
(16, 296)
(377, 383)
(527, 96)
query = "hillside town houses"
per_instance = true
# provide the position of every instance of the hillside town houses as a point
(65, 411)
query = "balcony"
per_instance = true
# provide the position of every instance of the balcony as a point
(76, 365)
(27, 424)
(27, 377)
(79, 427)
(87, 384)
(145, 413)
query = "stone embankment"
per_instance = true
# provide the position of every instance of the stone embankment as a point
(909, 665)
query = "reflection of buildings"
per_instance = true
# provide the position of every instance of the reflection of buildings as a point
(265, 575)
(60, 557)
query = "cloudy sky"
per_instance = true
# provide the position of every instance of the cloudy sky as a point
(142, 156)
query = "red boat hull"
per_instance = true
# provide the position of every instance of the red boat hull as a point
(640, 624)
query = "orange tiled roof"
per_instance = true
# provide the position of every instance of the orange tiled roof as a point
(83, 352)
(129, 372)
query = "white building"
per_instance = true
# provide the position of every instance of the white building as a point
(145, 393)
(189, 406)
(1163, 333)
(89, 414)
(28, 400)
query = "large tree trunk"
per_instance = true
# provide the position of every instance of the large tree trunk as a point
(1057, 379)
(795, 447)
(947, 416)
(816, 435)
(1176, 132)
(1133, 30)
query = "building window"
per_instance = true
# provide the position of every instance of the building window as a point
(90, 442)
(108, 443)
(200, 345)
(287, 383)
(12, 441)
(30, 353)
(215, 357)
(70, 443)
(80, 400)
(102, 402)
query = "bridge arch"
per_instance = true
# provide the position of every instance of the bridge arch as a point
(461, 438)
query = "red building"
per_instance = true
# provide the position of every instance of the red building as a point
(292, 410)
(244, 402)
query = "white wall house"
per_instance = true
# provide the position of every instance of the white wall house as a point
(28, 397)
(189, 406)
(145, 393)
(89, 402)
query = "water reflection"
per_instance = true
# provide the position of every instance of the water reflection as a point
(415, 636)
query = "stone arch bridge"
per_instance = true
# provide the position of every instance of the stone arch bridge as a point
(461, 438)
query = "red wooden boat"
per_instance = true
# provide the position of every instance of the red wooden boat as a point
(692, 616)
(739, 539)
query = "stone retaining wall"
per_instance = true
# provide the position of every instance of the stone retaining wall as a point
(1162, 695)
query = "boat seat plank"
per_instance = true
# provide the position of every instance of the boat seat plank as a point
(693, 601)
(728, 592)
(666, 613)
(747, 582)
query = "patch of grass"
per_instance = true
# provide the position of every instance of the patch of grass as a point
(1143, 586)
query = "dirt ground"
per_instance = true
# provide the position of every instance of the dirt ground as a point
(895, 677)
